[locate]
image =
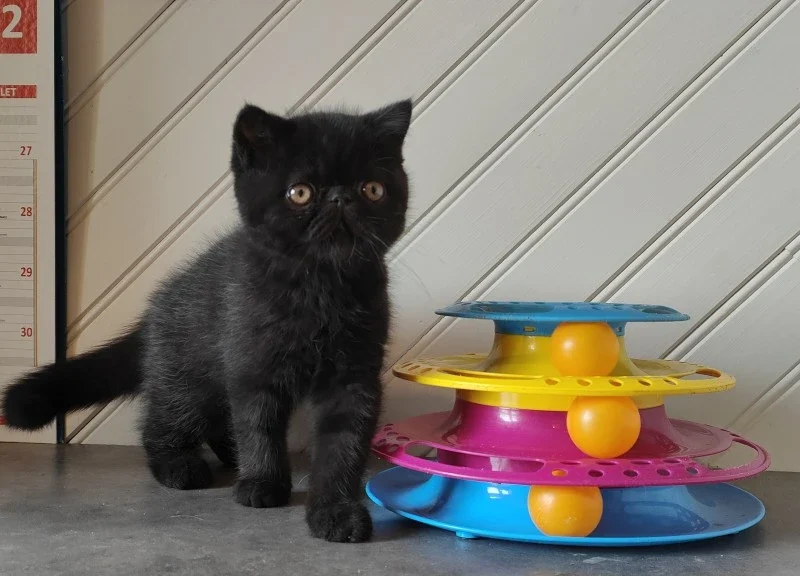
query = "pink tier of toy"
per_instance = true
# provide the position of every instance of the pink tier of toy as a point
(516, 446)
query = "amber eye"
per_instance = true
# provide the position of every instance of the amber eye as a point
(299, 194)
(373, 191)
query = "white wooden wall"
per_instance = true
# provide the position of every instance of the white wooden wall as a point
(623, 150)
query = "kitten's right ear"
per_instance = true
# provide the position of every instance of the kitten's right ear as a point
(257, 135)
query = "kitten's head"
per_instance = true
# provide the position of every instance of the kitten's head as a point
(329, 186)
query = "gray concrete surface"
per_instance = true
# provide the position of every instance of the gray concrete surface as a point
(87, 510)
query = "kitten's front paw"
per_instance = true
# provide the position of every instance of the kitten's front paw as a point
(340, 522)
(261, 494)
(185, 473)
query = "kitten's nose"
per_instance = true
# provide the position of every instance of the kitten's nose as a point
(339, 196)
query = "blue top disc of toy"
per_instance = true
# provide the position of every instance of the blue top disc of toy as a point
(513, 317)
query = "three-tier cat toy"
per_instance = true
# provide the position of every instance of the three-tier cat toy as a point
(557, 436)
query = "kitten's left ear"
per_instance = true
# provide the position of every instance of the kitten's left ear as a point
(391, 122)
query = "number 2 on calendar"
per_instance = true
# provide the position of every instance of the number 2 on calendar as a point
(18, 26)
(12, 28)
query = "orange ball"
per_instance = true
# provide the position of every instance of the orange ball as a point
(584, 349)
(604, 427)
(565, 510)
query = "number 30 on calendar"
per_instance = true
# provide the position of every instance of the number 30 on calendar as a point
(18, 26)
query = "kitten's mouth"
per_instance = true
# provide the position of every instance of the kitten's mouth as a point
(344, 232)
(344, 229)
(341, 232)
(333, 226)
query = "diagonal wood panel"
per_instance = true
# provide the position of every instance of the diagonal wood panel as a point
(701, 266)
(464, 129)
(772, 398)
(776, 419)
(734, 110)
(757, 342)
(122, 114)
(615, 212)
(100, 31)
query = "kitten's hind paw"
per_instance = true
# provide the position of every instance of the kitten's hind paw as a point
(260, 494)
(340, 522)
(184, 473)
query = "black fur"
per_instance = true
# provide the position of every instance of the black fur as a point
(99, 376)
(291, 305)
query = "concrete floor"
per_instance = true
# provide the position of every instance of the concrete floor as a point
(95, 510)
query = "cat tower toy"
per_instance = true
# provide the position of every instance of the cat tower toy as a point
(557, 436)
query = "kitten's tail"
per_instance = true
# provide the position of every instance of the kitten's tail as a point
(100, 375)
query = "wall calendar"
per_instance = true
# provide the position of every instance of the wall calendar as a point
(31, 194)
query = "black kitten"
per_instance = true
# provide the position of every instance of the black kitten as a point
(292, 305)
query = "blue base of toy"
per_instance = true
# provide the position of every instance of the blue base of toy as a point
(644, 516)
